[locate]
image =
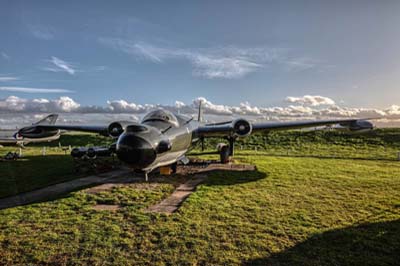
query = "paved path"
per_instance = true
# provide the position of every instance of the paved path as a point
(175, 200)
(59, 189)
(181, 193)
(108, 180)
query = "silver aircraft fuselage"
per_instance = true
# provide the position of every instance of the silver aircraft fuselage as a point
(154, 143)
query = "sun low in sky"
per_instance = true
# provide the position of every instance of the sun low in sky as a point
(268, 59)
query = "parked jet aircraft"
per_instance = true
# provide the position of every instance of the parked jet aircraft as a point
(163, 138)
(32, 133)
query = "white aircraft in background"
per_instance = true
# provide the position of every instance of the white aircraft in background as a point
(30, 134)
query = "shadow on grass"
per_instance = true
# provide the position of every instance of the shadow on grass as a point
(227, 178)
(366, 244)
(33, 172)
(43, 192)
(332, 157)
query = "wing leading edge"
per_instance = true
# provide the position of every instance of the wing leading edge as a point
(228, 129)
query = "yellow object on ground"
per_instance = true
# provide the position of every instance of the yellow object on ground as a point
(165, 170)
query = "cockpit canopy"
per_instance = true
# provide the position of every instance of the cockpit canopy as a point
(161, 115)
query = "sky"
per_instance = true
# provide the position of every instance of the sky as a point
(129, 56)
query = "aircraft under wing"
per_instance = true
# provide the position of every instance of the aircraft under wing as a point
(102, 130)
(242, 127)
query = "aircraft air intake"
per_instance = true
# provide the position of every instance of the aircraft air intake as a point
(164, 146)
(242, 127)
(115, 129)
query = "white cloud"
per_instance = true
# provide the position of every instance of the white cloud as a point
(16, 104)
(7, 78)
(139, 49)
(59, 65)
(300, 64)
(211, 108)
(41, 32)
(213, 63)
(393, 110)
(34, 90)
(179, 104)
(5, 56)
(311, 100)
(122, 106)
(223, 67)
(116, 109)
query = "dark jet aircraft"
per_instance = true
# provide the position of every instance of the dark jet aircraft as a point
(31, 134)
(163, 138)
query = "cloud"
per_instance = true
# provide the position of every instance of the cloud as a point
(300, 64)
(34, 90)
(312, 100)
(99, 68)
(211, 108)
(5, 56)
(122, 106)
(16, 104)
(212, 67)
(7, 78)
(115, 109)
(179, 104)
(59, 65)
(41, 32)
(213, 63)
(141, 50)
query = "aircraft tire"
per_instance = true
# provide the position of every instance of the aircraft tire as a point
(173, 167)
(224, 154)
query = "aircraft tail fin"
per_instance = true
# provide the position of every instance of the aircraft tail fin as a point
(48, 120)
(200, 113)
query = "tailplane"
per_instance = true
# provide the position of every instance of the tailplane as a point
(48, 120)
(200, 113)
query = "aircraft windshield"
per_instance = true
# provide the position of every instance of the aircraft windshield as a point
(161, 115)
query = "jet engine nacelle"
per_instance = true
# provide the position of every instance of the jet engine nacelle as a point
(357, 126)
(241, 127)
(115, 129)
(79, 152)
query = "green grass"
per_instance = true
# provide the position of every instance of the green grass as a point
(316, 209)
(34, 171)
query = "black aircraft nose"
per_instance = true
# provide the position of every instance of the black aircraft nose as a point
(135, 151)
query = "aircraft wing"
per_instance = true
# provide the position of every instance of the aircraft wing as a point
(102, 130)
(8, 141)
(242, 127)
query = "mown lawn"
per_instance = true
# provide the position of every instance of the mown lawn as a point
(34, 170)
(293, 211)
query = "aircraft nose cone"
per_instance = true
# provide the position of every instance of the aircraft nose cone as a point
(135, 151)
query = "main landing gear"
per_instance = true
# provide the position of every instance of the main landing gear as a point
(227, 151)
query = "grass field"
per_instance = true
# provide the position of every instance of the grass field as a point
(322, 199)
